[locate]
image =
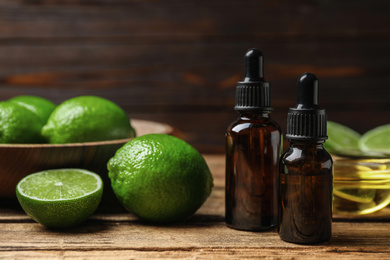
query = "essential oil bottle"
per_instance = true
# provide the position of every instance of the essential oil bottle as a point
(253, 144)
(306, 171)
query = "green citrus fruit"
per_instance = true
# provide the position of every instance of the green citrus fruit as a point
(18, 124)
(60, 198)
(40, 106)
(160, 178)
(376, 140)
(87, 119)
(341, 138)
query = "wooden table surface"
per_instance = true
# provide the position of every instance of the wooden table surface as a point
(119, 235)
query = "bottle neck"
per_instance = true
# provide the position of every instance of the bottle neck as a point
(316, 144)
(254, 114)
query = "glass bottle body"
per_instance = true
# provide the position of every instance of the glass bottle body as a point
(305, 202)
(252, 155)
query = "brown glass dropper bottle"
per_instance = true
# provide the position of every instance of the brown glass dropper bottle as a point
(252, 153)
(306, 171)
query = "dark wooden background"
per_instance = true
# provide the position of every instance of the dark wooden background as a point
(177, 61)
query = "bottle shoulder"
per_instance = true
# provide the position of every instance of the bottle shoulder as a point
(262, 124)
(308, 156)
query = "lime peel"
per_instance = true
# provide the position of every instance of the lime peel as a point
(160, 178)
(87, 119)
(377, 139)
(73, 201)
(341, 137)
(40, 106)
(344, 141)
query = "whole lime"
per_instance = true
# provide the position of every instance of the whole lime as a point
(60, 198)
(18, 124)
(42, 107)
(87, 119)
(160, 178)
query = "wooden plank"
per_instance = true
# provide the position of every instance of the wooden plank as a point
(202, 233)
(208, 253)
(205, 17)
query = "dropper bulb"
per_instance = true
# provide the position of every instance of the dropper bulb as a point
(307, 91)
(254, 66)
(253, 93)
(307, 121)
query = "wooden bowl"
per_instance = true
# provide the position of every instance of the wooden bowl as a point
(19, 160)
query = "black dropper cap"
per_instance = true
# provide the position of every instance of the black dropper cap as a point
(253, 93)
(307, 121)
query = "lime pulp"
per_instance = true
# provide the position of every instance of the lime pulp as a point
(60, 198)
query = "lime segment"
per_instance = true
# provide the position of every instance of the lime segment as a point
(60, 198)
(376, 140)
(341, 138)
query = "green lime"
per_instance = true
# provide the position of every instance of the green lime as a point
(376, 140)
(40, 106)
(18, 124)
(356, 195)
(341, 138)
(160, 178)
(87, 119)
(60, 198)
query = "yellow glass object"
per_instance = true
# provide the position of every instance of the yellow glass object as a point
(361, 185)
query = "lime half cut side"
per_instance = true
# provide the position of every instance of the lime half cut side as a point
(376, 140)
(341, 138)
(60, 198)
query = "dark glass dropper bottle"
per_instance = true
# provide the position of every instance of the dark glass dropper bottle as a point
(306, 171)
(252, 151)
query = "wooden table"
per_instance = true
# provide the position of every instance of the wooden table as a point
(122, 236)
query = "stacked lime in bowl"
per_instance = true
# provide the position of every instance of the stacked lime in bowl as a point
(87, 119)
(361, 169)
(22, 118)
(28, 119)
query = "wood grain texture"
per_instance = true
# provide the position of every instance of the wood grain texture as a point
(122, 236)
(180, 61)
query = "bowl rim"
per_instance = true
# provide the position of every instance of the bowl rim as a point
(167, 129)
(46, 145)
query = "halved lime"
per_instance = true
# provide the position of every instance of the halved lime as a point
(376, 140)
(60, 198)
(356, 195)
(341, 138)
